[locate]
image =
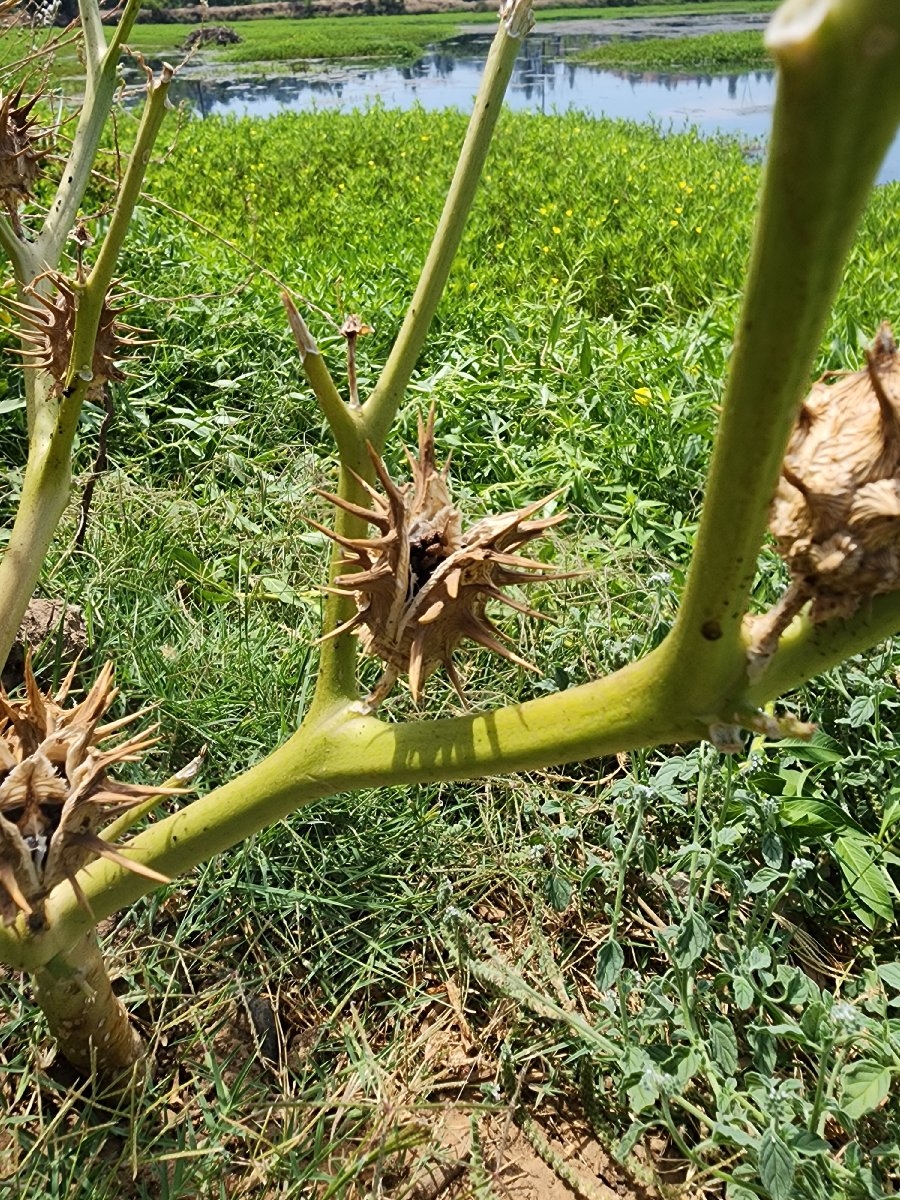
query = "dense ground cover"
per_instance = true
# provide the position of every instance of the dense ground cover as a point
(670, 948)
(398, 38)
(712, 52)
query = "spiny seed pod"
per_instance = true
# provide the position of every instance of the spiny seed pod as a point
(423, 584)
(20, 160)
(836, 513)
(55, 790)
(48, 327)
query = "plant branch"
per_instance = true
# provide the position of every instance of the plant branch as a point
(837, 108)
(342, 751)
(381, 407)
(19, 253)
(48, 472)
(100, 88)
(343, 423)
(806, 650)
(94, 39)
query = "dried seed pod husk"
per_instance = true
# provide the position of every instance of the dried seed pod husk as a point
(20, 159)
(56, 792)
(48, 328)
(836, 514)
(422, 585)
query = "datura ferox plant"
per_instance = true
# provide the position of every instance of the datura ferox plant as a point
(409, 583)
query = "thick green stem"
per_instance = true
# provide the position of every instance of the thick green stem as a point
(48, 472)
(806, 650)
(381, 407)
(837, 109)
(87, 1019)
(45, 493)
(92, 32)
(343, 751)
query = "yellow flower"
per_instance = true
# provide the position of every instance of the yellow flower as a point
(642, 396)
(556, 229)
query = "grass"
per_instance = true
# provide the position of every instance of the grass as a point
(687, 955)
(715, 53)
(393, 38)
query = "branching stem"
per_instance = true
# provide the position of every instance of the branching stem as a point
(381, 407)
(837, 110)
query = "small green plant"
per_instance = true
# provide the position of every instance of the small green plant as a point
(709, 677)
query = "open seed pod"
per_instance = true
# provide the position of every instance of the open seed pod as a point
(55, 790)
(20, 159)
(422, 585)
(836, 513)
(48, 327)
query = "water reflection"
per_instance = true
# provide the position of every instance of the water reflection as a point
(544, 80)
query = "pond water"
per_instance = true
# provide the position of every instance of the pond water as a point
(544, 80)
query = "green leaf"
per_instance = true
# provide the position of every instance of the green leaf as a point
(691, 941)
(819, 749)
(864, 878)
(814, 817)
(864, 1086)
(558, 891)
(723, 1044)
(737, 1191)
(758, 958)
(889, 974)
(777, 1164)
(763, 879)
(861, 711)
(772, 850)
(610, 961)
(743, 992)
(643, 1093)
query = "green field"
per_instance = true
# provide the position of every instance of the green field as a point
(391, 38)
(672, 949)
(713, 53)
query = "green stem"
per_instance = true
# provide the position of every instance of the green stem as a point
(94, 40)
(344, 423)
(87, 1019)
(100, 88)
(837, 108)
(45, 493)
(624, 860)
(24, 263)
(341, 751)
(806, 650)
(48, 472)
(152, 117)
(381, 407)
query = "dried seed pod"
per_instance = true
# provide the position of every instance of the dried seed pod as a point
(55, 790)
(422, 585)
(836, 513)
(48, 327)
(20, 160)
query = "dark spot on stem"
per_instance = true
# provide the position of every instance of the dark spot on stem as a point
(711, 631)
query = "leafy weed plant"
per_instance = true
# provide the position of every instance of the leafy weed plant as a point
(663, 937)
(620, 886)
